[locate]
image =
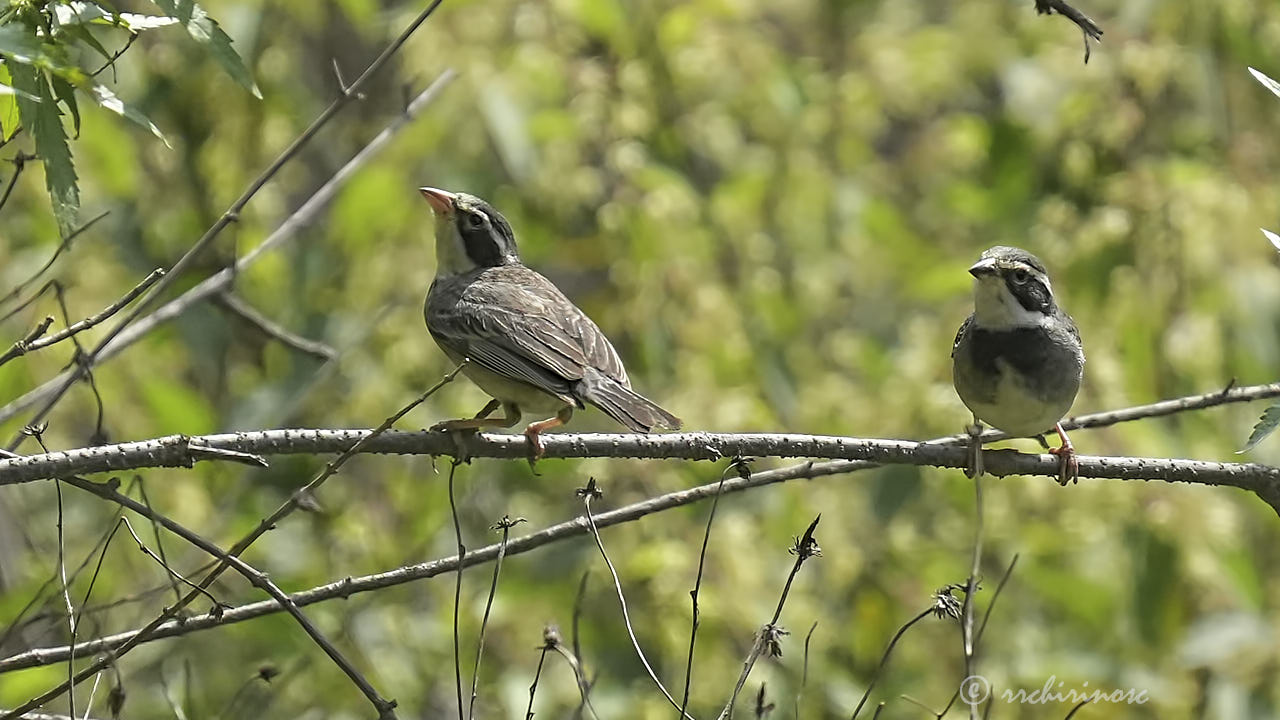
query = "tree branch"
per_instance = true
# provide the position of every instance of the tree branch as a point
(351, 585)
(126, 334)
(177, 451)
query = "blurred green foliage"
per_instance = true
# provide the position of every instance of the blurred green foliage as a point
(770, 208)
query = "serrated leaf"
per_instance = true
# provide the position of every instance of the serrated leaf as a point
(1267, 82)
(206, 31)
(44, 122)
(1266, 425)
(65, 92)
(82, 34)
(7, 90)
(1274, 238)
(108, 100)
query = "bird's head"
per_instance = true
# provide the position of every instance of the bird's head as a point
(470, 233)
(1010, 290)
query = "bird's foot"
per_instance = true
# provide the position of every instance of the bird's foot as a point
(536, 449)
(975, 450)
(1068, 466)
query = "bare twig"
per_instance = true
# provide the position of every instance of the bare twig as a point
(970, 589)
(273, 330)
(505, 525)
(804, 673)
(384, 707)
(579, 677)
(743, 468)
(457, 589)
(62, 247)
(71, 330)
(589, 493)
(533, 688)
(19, 164)
(288, 507)
(232, 214)
(1076, 709)
(126, 333)
(884, 659)
(770, 636)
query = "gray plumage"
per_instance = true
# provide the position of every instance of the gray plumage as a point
(1017, 360)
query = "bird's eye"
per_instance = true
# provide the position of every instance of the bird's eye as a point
(1021, 276)
(475, 220)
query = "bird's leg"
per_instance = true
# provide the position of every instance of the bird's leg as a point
(1068, 466)
(481, 419)
(975, 449)
(536, 450)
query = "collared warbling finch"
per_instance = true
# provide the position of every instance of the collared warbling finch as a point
(527, 345)
(1017, 360)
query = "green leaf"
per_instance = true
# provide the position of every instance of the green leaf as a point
(66, 94)
(108, 100)
(206, 31)
(9, 122)
(1267, 82)
(1266, 425)
(44, 122)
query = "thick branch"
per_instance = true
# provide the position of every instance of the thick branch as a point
(176, 451)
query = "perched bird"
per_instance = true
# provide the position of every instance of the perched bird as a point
(528, 346)
(1017, 360)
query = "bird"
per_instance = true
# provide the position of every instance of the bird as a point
(523, 342)
(1017, 361)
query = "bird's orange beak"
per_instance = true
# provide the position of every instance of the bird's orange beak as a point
(441, 200)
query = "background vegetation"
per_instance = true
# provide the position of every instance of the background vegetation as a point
(770, 208)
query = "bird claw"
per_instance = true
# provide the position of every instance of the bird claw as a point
(975, 451)
(1068, 465)
(536, 449)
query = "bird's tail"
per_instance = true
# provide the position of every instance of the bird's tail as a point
(625, 405)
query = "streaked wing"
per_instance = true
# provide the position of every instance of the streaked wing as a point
(513, 321)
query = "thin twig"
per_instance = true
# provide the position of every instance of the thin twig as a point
(505, 525)
(155, 533)
(66, 597)
(287, 508)
(589, 493)
(970, 589)
(71, 330)
(385, 708)
(457, 590)
(62, 247)
(533, 688)
(769, 637)
(273, 330)
(222, 280)
(884, 659)
(744, 471)
(19, 164)
(1075, 709)
(804, 673)
(579, 678)
(232, 213)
